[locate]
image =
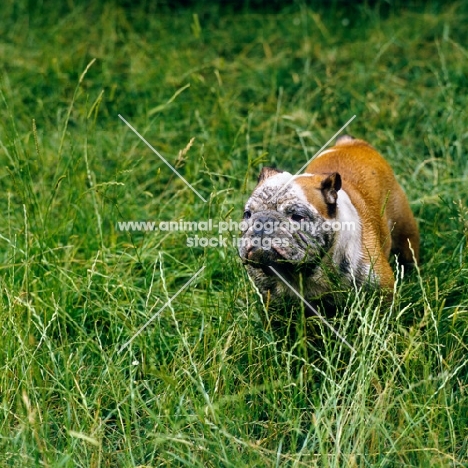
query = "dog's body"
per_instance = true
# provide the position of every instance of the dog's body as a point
(350, 189)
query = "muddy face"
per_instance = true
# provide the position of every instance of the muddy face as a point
(281, 227)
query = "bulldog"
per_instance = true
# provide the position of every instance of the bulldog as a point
(329, 230)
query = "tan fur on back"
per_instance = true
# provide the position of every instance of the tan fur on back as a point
(387, 221)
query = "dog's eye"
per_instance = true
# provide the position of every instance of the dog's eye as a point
(247, 214)
(297, 218)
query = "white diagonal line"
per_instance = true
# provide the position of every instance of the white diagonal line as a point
(326, 144)
(161, 309)
(162, 158)
(319, 151)
(313, 310)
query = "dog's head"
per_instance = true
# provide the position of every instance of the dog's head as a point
(288, 220)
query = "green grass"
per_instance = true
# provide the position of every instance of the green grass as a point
(205, 384)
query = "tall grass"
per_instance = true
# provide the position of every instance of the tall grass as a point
(206, 384)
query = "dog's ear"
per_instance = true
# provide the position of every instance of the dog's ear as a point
(266, 173)
(329, 186)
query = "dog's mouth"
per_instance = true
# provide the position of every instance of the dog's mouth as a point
(274, 259)
(267, 260)
(264, 256)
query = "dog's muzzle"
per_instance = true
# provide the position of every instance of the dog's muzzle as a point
(263, 242)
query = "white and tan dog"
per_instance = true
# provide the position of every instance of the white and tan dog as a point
(330, 229)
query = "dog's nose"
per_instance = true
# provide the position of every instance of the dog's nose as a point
(260, 224)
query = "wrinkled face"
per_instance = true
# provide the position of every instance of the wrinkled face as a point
(285, 222)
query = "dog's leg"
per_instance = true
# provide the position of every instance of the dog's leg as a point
(405, 233)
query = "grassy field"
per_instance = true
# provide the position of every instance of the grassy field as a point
(205, 384)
